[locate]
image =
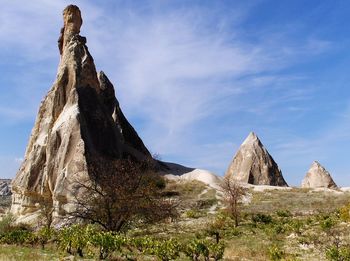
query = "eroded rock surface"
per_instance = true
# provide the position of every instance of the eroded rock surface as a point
(174, 171)
(318, 177)
(254, 165)
(78, 121)
(5, 187)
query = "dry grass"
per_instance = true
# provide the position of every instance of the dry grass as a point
(20, 253)
(295, 232)
(297, 201)
(300, 235)
(295, 229)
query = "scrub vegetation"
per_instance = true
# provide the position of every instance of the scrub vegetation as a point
(291, 224)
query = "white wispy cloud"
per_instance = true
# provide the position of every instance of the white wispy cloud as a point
(176, 73)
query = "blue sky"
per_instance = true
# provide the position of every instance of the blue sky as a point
(195, 77)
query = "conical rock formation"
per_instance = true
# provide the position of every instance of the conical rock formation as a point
(318, 177)
(78, 121)
(254, 165)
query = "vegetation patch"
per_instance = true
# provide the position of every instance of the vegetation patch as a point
(265, 231)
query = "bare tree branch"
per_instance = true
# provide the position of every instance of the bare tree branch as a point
(120, 192)
(233, 194)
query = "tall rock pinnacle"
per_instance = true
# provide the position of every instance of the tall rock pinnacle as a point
(318, 177)
(253, 164)
(79, 120)
(72, 23)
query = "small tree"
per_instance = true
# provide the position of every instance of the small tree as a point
(120, 192)
(233, 194)
(46, 210)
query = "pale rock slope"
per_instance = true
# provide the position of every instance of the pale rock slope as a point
(254, 165)
(78, 122)
(318, 177)
(178, 172)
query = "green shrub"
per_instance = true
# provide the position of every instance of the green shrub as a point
(344, 213)
(275, 253)
(327, 224)
(44, 235)
(142, 244)
(17, 236)
(106, 242)
(206, 203)
(296, 226)
(193, 213)
(279, 229)
(216, 250)
(166, 249)
(196, 248)
(283, 213)
(6, 224)
(338, 253)
(262, 218)
(74, 239)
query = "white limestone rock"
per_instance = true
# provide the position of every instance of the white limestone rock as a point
(174, 171)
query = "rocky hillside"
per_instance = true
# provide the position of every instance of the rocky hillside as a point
(5, 187)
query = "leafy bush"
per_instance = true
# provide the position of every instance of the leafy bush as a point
(279, 229)
(344, 213)
(296, 226)
(275, 253)
(6, 224)
(216, 250)
(262, 218)
(74, 239)
(44, 235)
(338, 253)
(193, 213)
(17, 236)
(196, 248)
(283, 213)
(206, 203)
(89, 241)
(166, 249)
(106, 242)
(327, 224)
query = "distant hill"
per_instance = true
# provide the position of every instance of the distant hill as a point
(5, 187)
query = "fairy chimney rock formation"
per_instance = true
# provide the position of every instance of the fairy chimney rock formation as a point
(318, 177)
(72, 22)
(79, 121)
(254, 165)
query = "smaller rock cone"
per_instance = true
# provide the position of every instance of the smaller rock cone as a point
(254, 165)
(318, 177)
